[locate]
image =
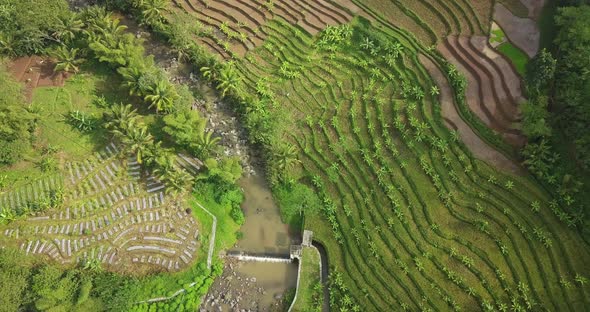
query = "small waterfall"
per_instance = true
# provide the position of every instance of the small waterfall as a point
(242, 257)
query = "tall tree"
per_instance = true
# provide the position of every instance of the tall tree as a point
(138, 141)
(67, 29)
(67, 60)
(132, 76)
(152, 10)
(120, 117)
(161, 96)
(229, 80)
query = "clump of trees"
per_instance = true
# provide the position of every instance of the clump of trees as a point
(572, 83)
(30, 26)
(29, 286)
(188, 129)
(108, 42)
(17, 124)
(557, 114)
(539, 157)
(123, 123)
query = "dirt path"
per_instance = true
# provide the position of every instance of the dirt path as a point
(522, 32)
(477, 146)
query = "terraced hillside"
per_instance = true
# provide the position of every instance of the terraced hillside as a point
(493, 89)
(410, 216)
(234, 27)
(109, 212)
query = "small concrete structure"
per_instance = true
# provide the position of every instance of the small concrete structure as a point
(307, 238)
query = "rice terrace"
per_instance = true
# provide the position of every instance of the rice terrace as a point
(294, 155)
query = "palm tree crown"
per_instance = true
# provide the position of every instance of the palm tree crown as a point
(67, 60)
(161, 96)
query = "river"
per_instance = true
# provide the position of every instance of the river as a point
(251, 286)
(256, 286)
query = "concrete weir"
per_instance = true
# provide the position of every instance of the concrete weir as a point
(243, 257)
(295, 253)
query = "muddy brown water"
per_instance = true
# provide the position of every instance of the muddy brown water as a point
(274, 278)
(263, 231)
(256, 286)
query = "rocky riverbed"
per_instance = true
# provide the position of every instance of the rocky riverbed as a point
(235, 291)
(222, 119)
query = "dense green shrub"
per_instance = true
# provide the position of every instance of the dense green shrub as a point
(572, 87)
(29, 26)
(296, 200)
(188, 129)
(16, 123)
(238, 215)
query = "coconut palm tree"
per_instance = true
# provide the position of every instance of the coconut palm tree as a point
(285, 156)
(67, 28)
(120, 117)
(161, 96)
(176, 180)
(211, 72)
(111, 27)
(132, 79)
(207, 144)
(138, 141)
(151, 10)
(67, 60)
(8, 45)
(229, 81)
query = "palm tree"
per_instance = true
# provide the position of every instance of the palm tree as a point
(229, 81)
(111, 27)
(8, 45)
(509, 184)
(284, 157)
(582, 280)
(7, 215)
(206, 143)
(161, 96)
(176, 179)
(211, 72)
(92, 264)
(132, 79)
(367, 44)
(434, 91)
(151, 11)
(67, 29)
(120, 117)
(67, 60)
(138, 141)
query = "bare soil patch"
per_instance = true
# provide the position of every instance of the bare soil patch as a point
(35, 71)
(522, 32)
(477, 146)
